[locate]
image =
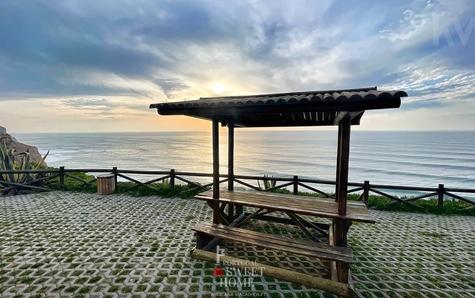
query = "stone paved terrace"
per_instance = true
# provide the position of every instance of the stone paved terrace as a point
(62, 244)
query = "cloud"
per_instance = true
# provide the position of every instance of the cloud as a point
(435, 82)
(91, 55)
(100, 104)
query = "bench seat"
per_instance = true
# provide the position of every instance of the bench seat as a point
(263, 240)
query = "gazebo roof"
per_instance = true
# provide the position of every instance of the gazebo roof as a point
(309, 108)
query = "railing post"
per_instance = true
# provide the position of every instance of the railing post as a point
(296, 185)
(366, 192)
(440, 196)
(61, 177)
(114, 171)
(172, 178)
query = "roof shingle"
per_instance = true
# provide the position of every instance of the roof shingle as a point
(248, 110)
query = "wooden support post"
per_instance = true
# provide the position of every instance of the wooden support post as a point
(344, 130)
(231, 165)
(61, 177)
(366, 192)
(215, 137)
(296, 185)
(338, 159)
(230, 156)
(114, 171)
(172, 178)
(440, 196)
(341, 226)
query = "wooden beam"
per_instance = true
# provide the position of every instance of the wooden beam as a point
(230, 156)
(231, 165)
(331, 241)
(343, 114)
(327, 285)
(212, 242)
(338, 158)
(341, 226)
(344, 130)
(215, 137)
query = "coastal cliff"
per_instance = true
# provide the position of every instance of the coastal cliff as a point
(19, 147)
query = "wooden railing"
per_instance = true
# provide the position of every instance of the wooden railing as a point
(295, 183)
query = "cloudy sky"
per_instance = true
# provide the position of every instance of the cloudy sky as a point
(89, 65)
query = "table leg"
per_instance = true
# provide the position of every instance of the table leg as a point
(341, 228)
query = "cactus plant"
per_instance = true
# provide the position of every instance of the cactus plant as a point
(267, 183)
(12, 161)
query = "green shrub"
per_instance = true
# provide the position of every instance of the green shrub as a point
(450, 207)
(12, 161)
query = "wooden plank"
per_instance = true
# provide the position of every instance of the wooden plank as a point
(247, 184)
(46, 180)
(308, 247)
(313, 207)
(315, 190)
(23, 186)
(130, 179)
(302, 247)
(216, 240)
(288, 221)
(278, 186)
(394, 198)
(300, 225)
(294, 204)
(327, 285)
(215, 133)
(285, 197)
(459, 198)
(286, 202)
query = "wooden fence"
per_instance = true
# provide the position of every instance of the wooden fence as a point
(295, 183)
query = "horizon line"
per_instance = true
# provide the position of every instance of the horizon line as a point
(240, 129)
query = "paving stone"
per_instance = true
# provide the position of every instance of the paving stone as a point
(62, 244)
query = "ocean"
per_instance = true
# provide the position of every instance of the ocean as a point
(397, 158)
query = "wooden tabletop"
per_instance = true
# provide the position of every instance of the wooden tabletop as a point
(305, 205)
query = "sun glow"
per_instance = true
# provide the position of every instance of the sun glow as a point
(217, 88)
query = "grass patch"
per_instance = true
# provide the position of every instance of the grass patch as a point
(450, 207)
(162, 189)
(158, 189)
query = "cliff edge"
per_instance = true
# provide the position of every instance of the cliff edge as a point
(19, 147)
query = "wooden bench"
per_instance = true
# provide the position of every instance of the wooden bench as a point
(302, 247)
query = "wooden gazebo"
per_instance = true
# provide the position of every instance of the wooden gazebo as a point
(341, 108)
